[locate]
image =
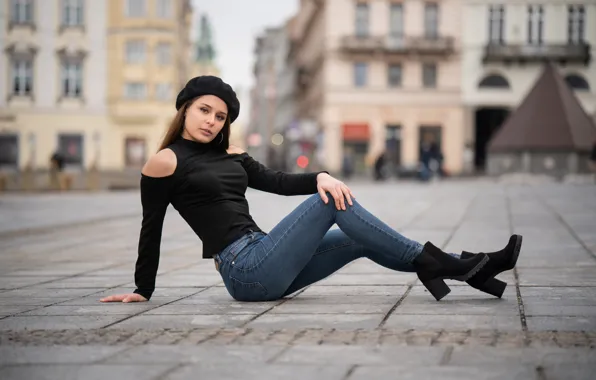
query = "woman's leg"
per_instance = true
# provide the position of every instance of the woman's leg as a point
(269, 267)
(335, 251)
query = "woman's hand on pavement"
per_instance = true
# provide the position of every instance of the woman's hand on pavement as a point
(130, 297)
(338, 190)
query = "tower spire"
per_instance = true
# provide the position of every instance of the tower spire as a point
(204, 48)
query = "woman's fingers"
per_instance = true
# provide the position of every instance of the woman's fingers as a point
(131, 297)
(348, 194)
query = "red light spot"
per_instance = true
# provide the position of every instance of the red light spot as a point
(302, 161)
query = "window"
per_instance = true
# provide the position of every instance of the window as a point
(360, 69)
(71, 146)
(22, 11)
(494, 81)
(22, 76)
(362, 19)
(135, 51)
(431, 20)
(577, 82)
(72, 78)
(576, 23)
(72, 12)
(135, 151)
(535, 24)
(9, 150)
(135, 90)
(164, 8)
(396, 20)
(496, 21)
(134, 8)
(429, 75)
(163, 53)
(394, 75)
(163, 91)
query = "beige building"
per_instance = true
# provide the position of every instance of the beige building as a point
(377, 75)
(95, 80)
(148, 62)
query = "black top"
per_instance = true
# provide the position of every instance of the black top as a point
(207, 188)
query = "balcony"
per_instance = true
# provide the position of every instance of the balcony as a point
(398, 45)
(439, 45)
(361, 44)
(562, 53)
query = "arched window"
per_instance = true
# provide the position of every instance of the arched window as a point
(577, 82)
(493, 81)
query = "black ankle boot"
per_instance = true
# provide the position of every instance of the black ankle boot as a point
(433, 266)
(500, 261)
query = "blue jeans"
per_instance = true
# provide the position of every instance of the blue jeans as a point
(302, 250)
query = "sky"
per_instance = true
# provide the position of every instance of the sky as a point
(236, 24)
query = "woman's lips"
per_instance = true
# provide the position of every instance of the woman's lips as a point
(206, 132)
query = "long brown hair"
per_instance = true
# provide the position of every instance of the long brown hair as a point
(177, 127)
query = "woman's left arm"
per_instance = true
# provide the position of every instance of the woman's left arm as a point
(263, 178)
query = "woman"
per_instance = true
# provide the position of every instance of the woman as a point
(205, 179)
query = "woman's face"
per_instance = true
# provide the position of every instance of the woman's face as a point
(205, 118)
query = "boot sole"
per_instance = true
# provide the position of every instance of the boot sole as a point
(439, 289)
(496, 287)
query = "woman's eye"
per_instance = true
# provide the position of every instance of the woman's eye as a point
(220, 118)
(204, 110)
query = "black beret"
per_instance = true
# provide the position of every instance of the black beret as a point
(210, 85)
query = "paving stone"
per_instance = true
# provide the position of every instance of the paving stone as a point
(566, 323)
(334, 308)
(570, 371)
(99, 310)
(229, 354)
(87, 372)
(86, 282)
(11, 310)
(15, 282)
(334, 355)
(55, 354)
(397, 278)
(214, 371)
(584, 276)
(450, 321)
(45, 293)
(563, 301)
(183, 321)
(228, 309)
(57, 322)
(480, 356)
(354, 290)
(443, 372)
(345, 321)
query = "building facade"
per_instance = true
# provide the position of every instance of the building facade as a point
(378, 77)
(148, 63)
(92, 80)
(504, 46)
(53, 94)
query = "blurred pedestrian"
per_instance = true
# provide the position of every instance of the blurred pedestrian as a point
(379, 167)
(205, 179)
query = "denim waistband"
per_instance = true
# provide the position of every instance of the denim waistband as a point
(238, 245)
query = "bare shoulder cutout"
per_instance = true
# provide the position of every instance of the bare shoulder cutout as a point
(234, 150)
(161, 164)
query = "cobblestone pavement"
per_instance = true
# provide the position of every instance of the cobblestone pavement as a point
(60, 253)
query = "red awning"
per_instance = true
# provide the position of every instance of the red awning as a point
(356, 132)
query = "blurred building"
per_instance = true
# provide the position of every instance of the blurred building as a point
(203, 62)
(504, 47)
(548, 133)
(93, 80)
(148, 63)
(270, 90)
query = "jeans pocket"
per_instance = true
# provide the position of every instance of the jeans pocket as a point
(247, 291)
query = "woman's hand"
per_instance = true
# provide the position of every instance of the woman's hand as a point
(131, 297)
(338, 189)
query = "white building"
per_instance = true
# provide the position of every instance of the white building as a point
(53, 60)
(503, 46)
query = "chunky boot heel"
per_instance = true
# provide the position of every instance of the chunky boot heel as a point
(433, 266)
(500, 261)
(493, 286)
(438, 288)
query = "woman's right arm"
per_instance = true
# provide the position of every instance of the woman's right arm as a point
(156, 185)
